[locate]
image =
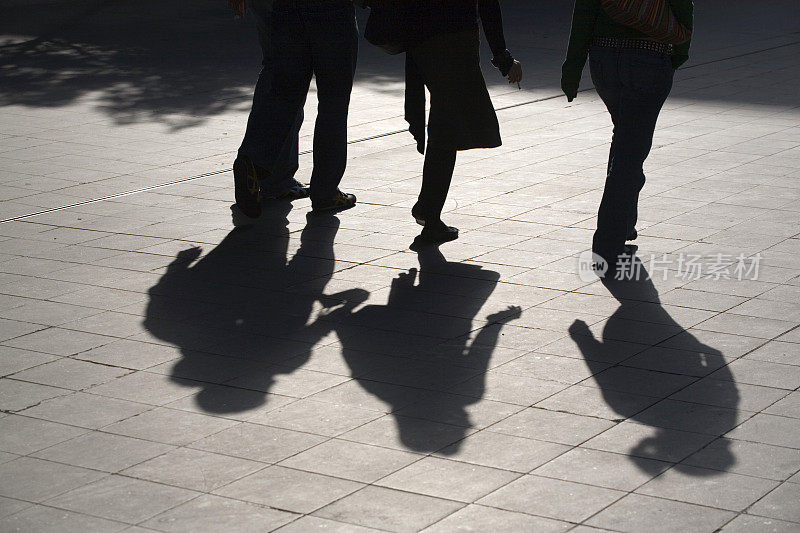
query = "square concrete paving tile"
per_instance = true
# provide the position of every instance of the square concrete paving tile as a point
(48, 313)
(636, 513)
(747, 524)
(603, 469)
(638, 381)
(552, 498)
(459, 410)
(36, 480)
(769, 429)
(550, 367)
(169, 426)
(406, 433)
(317, 417)
(692, 417)
(258, 443)
(194, 469)
(447, 479)
(748, 458)
(23, 435)
(788, 406)
(103, 451)
(12, 329)
(496, 450)
(70, 374)
(781, 503)
(19, 395)
(289, 489)
(58, 341)
(312, 523)
(731, 346)
(132, 354)
(764, 328)
(387, 510)
(787, 353)
(15, 360)
(725, 393)
(551, 426)
(145, 387)
(48, 520)
(762, 373)
(710, 488)
(509, 388)
(213, 513)
(122, 499)
(598, 403)
(86, 410)
(480, 518)
(684, 362)
(351, 460)
(9, 506)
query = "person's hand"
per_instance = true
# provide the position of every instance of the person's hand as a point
(238, 6)
(570, 89)
(515, 72)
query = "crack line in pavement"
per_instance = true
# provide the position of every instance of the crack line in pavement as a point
(355, 141)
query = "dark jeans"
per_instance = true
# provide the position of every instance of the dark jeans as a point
(309, 38)
(284, 167)
(633, 84)
(437, 173)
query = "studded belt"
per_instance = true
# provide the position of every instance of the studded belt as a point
(632, 44)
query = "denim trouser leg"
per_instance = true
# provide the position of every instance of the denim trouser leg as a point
(261, 129)
(333, 43)
(634, 85)
(310, 38)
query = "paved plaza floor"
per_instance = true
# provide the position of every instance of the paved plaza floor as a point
(163, 371)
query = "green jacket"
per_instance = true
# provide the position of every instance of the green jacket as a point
(590, 20)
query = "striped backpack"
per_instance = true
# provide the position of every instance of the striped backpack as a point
(651, 17)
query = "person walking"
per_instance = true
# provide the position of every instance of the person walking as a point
(633, 75)
(443, 56)
(306, 38)
(280, 182)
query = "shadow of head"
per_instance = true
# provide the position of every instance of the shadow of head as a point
(653, 371)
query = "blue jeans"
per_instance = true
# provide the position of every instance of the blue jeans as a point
(284, 167)
(633, 84)
(308, 38)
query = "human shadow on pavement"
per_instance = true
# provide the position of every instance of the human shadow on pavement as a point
(417, 346)
(232, 315)
(700, 411)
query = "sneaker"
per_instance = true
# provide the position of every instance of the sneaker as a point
(438, 232)
(339, 202)
(247, 188)
(296, 192)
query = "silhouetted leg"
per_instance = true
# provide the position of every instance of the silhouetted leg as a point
(334, 38)
(437, 173)
(634, 85)
(270, 140)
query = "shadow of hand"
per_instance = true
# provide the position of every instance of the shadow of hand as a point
(512, 312)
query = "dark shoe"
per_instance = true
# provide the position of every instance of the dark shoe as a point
(339, 202)
(633, 235)
(438, 232)
(608, 264)
(247, 188)
(296, 192)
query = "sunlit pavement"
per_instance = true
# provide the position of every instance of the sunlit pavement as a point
(163, 371)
